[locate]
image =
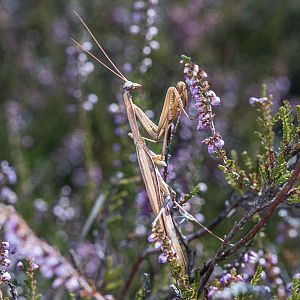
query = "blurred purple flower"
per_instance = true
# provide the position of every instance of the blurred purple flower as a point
(162, 258)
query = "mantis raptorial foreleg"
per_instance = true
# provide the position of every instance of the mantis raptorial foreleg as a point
(175, 100)
(172, 104)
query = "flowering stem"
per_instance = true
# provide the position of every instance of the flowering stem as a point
(271, 205)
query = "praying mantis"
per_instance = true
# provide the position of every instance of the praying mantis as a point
(159, 192)
(157, 189)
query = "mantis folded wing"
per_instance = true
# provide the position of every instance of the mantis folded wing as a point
(156, 188)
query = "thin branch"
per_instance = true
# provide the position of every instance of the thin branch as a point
(281, 197)
(222, 254)
(135, 268)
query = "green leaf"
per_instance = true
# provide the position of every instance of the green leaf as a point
(257, 276)
(185, 59)
(145, 290)
(287, 119)
(295, 290)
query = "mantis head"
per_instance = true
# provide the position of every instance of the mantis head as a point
(131, 86)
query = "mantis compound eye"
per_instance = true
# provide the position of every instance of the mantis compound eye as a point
(129, 85)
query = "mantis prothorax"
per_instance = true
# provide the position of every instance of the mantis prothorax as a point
(158, 191)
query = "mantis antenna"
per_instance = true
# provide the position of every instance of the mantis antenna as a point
(97, 59)
(117, 72)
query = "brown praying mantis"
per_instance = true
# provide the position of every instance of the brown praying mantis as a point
(159, 193)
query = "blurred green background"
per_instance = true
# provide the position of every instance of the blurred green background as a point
(63, 125)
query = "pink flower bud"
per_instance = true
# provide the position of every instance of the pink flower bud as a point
(152, 238)
(34, 266)
(5, 277)
(215, 101)
(72, 284)
(162, 258)
(253, 101)
(158, 244)
(5, 245)
(4, 253)
(5, 262)
(20, 266)
(211, 149)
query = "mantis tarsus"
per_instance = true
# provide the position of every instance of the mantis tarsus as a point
(158, 191)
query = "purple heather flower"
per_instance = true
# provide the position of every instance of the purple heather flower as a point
(253, 257)
(219, 143)
(72, 284)
(8, 171)
(210, 149)
(4, 253)
(194, 90)
(158, 244)
(275, 270)
(20, 266)
(211, 94)
(203, 121)
(186, 70)
(239, 278)
(215, 100)
(30, 247)
(163, 258)
(201, 125)
(212, 291)
(5, 262)
(5, 277)
(58, 282)
(190, 82)
(297, 276)
(152, 238)
(226, 278)
(196, 70)
(262, 261)
(253, 100)
(263, 100)
(8, 195)
(34, 266)
(204, 98)
(273, 259)
(4, 246)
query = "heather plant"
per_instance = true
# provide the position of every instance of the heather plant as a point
(75, 218)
